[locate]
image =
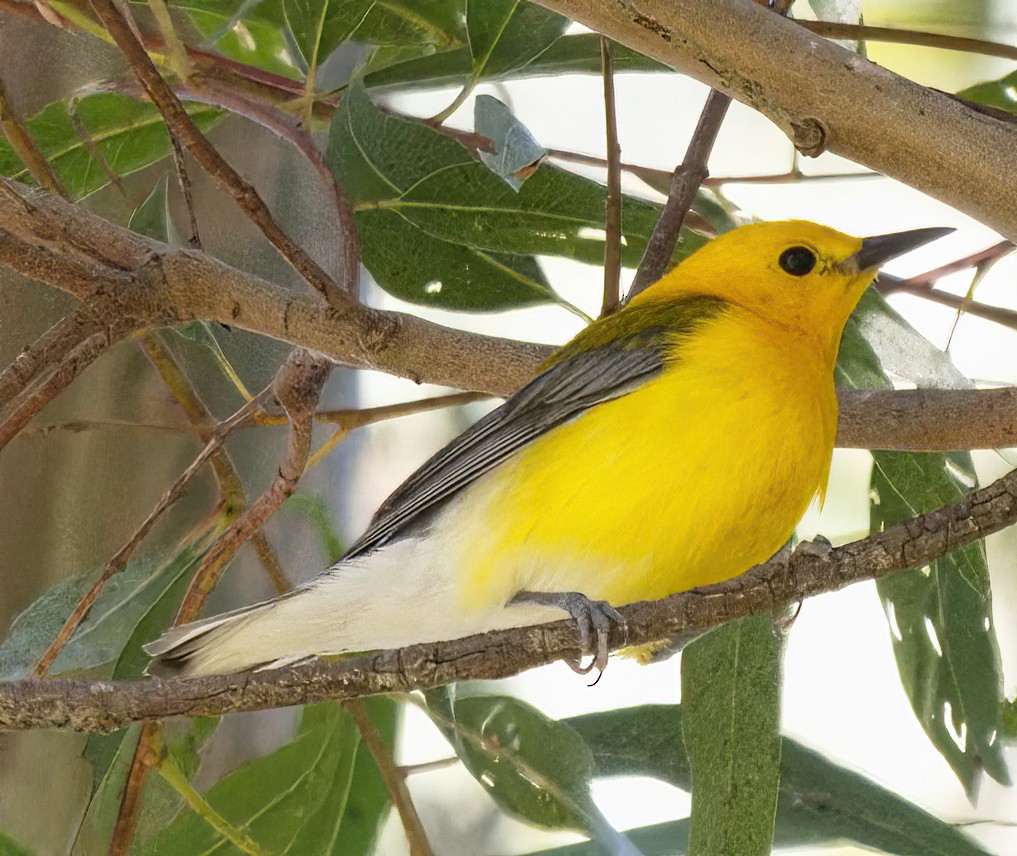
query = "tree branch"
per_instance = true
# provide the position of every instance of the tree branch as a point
(825, 97)
(147, 283)
(180, 125)
(812, 569)
(684, 183)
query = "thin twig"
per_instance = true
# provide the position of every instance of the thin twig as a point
(888, 285)
(230, 486)
(997, 314)
(285, 126)
(179, 123)
(176, 50)
(123, 555)
(684, 184)
(35, 398)
(184, 182)
(613, 199)
(863, 32)
(407, 770)
(350, 419)
(24, 147)
(143, 760)
(175, 778)
(395, 783)
(47, 351)
(297, 385)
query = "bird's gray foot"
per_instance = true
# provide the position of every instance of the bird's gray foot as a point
(593, 623)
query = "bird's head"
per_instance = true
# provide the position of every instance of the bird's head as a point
(793, 273)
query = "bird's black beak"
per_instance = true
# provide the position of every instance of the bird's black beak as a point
(881, 248)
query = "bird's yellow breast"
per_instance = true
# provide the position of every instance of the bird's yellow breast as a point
(691, 479)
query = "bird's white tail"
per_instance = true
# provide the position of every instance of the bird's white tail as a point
(399, 595)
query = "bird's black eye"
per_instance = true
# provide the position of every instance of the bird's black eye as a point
(797, 261)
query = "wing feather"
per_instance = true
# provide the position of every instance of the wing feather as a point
(581, 375)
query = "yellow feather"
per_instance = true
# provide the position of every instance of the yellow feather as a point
(698, 474)
(671, 445)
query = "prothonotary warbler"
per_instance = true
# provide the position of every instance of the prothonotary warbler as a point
(673, 444)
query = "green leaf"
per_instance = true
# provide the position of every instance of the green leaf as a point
(940, 616)
(152, 218)
(306, 31)
(106, 634)
(291, 800)
(250, 41)
(438, 228)
(318, 27)
(320, 514)
(571, 54)
(34, 628)
(534, 767)
(101, 637)
(1008, 716)
(731, 706)
(819, 802)
(114, 135)
(1001, 94)
(353, 831)
(507, 34)
(110, 754)
(10, 847)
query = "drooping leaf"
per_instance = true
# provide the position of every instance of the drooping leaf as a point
(110, 756)
(284, 800)
(578, 53)
(101, 637)
(438, 228)
(730, 726)
(365, 800)
(88, 139)
(534, 767)
(123, 604)
(819, 801)
(516, 153)
(940, 616)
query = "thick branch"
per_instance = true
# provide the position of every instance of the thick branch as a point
(825, 97)
(811, 570)
(156, 285)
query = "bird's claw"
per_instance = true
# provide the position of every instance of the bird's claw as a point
(593, 620)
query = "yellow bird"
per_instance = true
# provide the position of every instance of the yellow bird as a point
(673, 444)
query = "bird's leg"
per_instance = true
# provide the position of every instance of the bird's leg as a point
(592, 617)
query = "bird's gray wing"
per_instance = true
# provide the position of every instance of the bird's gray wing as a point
(601, 363)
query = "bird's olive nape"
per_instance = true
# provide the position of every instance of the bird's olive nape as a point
(797, 261)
